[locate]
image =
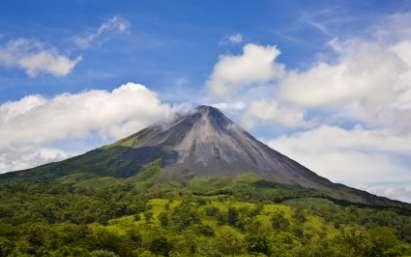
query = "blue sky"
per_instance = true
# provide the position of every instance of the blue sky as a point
(313, 79)
(168, 41)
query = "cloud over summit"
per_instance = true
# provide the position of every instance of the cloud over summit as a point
(35, 121)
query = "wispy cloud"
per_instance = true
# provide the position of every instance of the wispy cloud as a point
(236, 38)
(35, 58)
(114, 24)
(313, 21)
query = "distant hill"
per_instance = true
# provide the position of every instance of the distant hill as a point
(201, 143)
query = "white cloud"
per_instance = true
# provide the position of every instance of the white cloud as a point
(23, 157)
(236, 38)
(394, 27)
(35, 121)
(271, 111)
(357, 157)
(369, 82)
(115, 114)
(229, 106)
(256, 65)
(402, 193)
(34, 58)
(366, 81)
(114, 24)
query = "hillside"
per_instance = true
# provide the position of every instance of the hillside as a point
(105, 216)
(201, 143)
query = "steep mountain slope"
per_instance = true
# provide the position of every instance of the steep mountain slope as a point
(207, 143)
(201, 143)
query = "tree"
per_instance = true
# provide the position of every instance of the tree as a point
(354, 241)
(148, 216)
(257, 243)
(134, 235)
(384, 243)
(299, 215)
(184, 216)
(212, 211)
(205, 230)
(230, 242)
(5, 247)
(103, 239)
(67, 251)
(279, 222)
(232, 216)
(163, 217)
(161, 246)
(103, 253)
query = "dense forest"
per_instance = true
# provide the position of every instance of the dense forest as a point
(83, 215)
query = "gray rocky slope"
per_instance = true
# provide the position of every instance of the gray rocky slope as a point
(206, 143)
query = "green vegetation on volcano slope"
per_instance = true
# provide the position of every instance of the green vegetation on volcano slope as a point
(82, 215)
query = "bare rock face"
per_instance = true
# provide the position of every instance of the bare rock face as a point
(207, 143)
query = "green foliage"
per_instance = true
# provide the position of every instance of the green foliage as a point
(230, 242)
(184, 215)
(103, 253)
(161, 246)
(232, 216)
(279, 221)
(141, 216)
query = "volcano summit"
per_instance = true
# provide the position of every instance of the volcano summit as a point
(200, 143)
(207, 143)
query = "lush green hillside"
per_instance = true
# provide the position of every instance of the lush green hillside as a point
(85, 215)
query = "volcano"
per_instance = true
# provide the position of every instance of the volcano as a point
(207, 143)
(200, 143)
